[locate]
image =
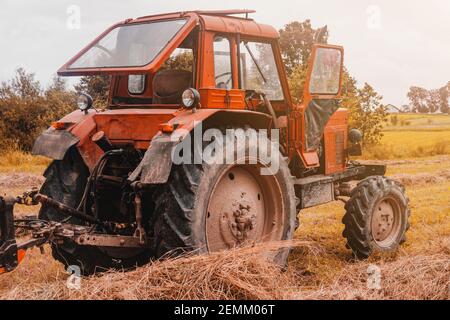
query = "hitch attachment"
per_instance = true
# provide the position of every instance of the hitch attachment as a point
(10, 255)
(42, 231)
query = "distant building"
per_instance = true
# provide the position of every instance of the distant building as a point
(390, 108)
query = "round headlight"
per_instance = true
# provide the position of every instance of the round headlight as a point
(355, 136)
(84, 102)
(190, 98)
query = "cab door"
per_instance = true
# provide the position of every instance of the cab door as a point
(320, 98)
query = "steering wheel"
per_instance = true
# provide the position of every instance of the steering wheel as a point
(223, 75)
(252, 94)
(108, 52)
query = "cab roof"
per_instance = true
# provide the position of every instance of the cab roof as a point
(224, 21)
(216, 21)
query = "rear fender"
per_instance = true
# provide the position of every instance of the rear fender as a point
(156, 165)
(54, 144)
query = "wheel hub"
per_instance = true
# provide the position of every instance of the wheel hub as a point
(239, 212)
(383, 221)
(243, 220)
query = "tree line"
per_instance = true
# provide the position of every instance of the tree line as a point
(26, 108)
(422, 100)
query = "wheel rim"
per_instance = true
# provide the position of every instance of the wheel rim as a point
(244, 207)
(386, 222)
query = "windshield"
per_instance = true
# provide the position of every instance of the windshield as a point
(133, 45)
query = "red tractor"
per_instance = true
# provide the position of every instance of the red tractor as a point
(114, 196)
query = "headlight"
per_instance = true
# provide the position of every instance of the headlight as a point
(355, 136)
(190, 98)
(84, 102)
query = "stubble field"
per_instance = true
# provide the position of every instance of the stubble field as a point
(320, 266)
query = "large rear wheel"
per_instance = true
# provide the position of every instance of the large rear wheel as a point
(210, 208)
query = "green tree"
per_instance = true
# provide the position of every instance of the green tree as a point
(58, 100)
(444, 96)
(22, 85)
(181, 61)
(433, 101)
(296, 40)
(22, 110)
(26, 110)
(97, 87)
(418, 99)
(297, 81)
(368, 114)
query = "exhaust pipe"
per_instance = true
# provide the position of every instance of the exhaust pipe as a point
(102, 141)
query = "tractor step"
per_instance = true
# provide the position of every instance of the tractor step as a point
(320, 189)
(314, 190)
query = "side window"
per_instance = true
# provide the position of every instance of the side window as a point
(222, 63)
(136, 83)
(259, 70)
(180, 59)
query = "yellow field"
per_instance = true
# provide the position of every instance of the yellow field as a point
(17, 161)
(413, 136)
(320, 266)
(418, 122)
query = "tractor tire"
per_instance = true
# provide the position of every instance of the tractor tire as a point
(376, 217)
(213, 207)
(65, 182)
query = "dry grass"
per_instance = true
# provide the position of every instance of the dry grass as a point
(320, 267)
(246, 274)
(18, 161)
(236, 274)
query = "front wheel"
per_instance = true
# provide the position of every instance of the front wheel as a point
(376, 217)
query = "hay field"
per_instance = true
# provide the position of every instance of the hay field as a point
(413, 136)
(320, 267)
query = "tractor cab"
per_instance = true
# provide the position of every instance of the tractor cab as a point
(153, 59)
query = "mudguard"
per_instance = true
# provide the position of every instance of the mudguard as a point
(54, 144)
(156, 165)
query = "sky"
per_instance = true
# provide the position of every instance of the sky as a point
(392, 45)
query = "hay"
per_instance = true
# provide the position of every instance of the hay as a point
(243, 273)
(422, 178)
(246, 274)
(20, 180)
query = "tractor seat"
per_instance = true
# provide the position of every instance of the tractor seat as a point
(169, 85)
